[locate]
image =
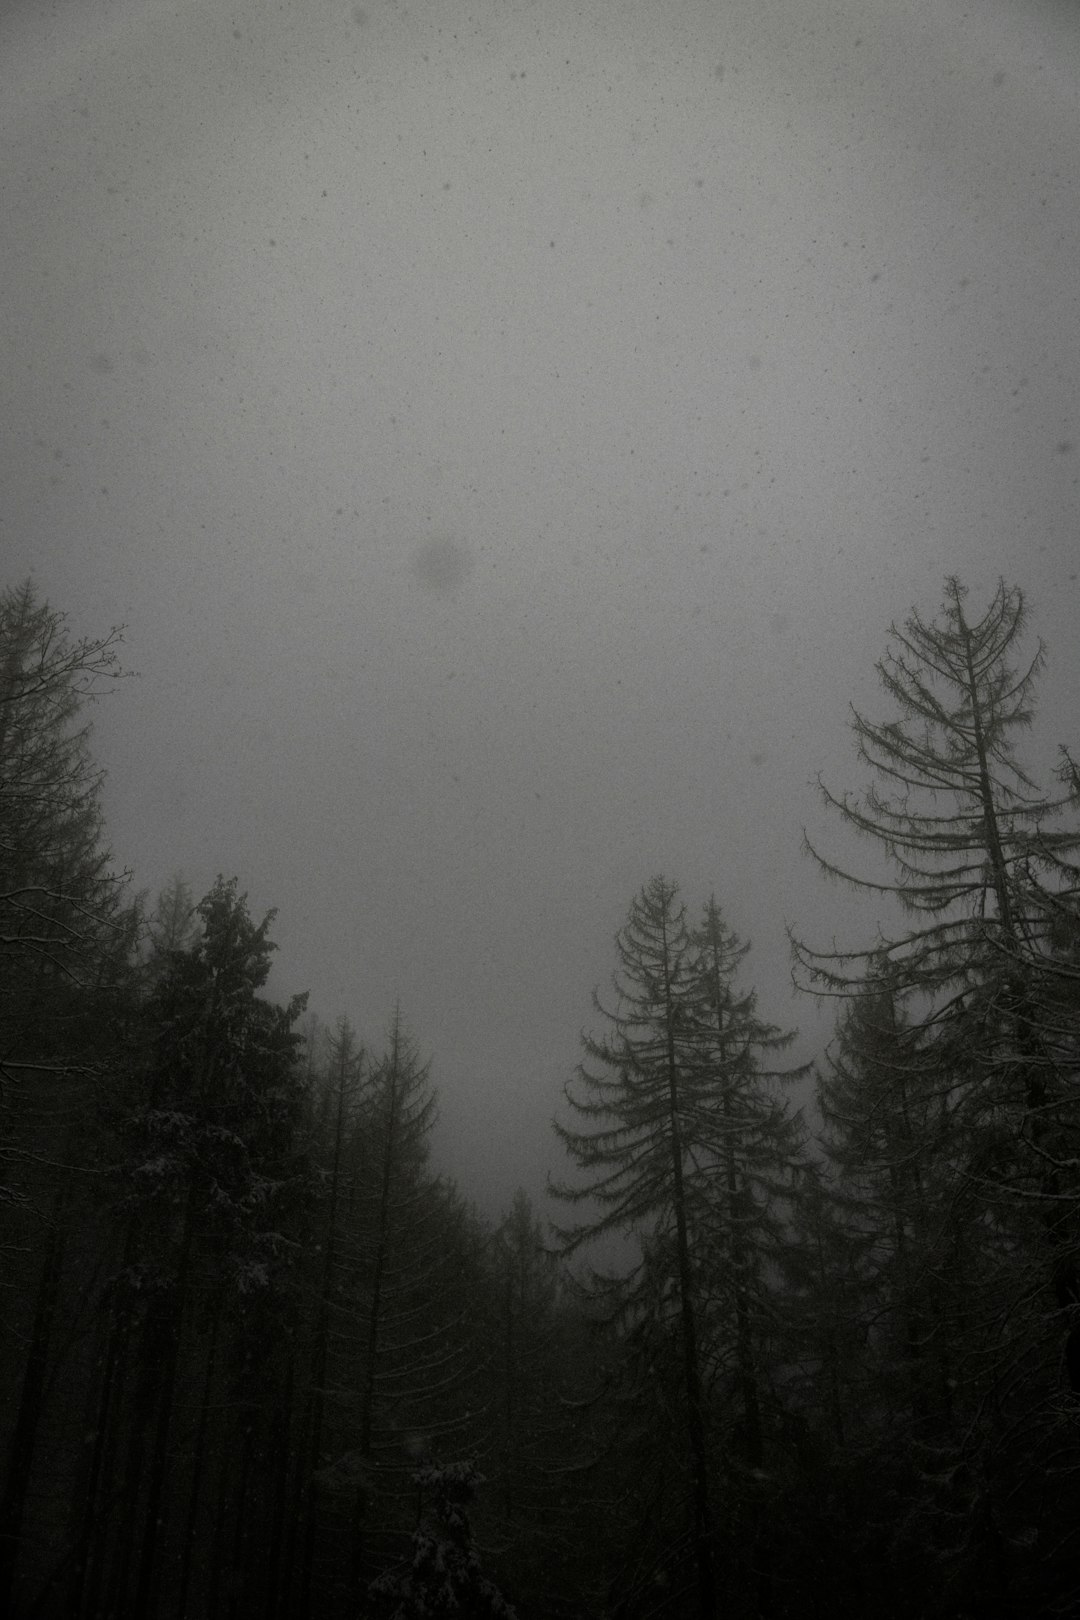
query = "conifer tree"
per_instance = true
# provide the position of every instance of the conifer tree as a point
(397, 1363)
(526, 1288)
(444, 1577)
(751, 1153)
(953, 1102)
(756, 1147)
(980, 864)
(341, 1088)
(963, 825)
(544, 1429)
(642, 1097)
(174, 922)
(891, 1136)
(66, 959)
(62, 925)
(215, 1165)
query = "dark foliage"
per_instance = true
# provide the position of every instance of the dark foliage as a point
(257, 1357)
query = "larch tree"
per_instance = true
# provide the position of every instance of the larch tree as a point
(754, 1150)
(978, 855)
(747, 1155)
(525, 1285)
(965, 829)
(891, 1139)
(641, 1098)
(545, 1411)
(978, 949)
(340, 1094)
(692, 1147)
(396, 1362)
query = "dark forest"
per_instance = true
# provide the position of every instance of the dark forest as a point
(259, 1358)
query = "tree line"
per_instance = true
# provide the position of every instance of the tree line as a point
(257, 1357)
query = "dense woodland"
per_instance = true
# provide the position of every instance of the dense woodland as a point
(257, 1358)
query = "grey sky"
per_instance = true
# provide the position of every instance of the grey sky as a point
(507, 431)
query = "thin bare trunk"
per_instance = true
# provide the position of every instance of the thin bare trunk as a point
(695, 1405)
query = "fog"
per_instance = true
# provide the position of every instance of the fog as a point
(507, 432)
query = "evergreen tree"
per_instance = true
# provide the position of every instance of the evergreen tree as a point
(397, 1363)
(62, 925)
(215, 1164)
(341, 1087)
(892, 1138)
(543, 1385)
(174, 922)
(66, 954)
(444, 1576)
(526, 1288)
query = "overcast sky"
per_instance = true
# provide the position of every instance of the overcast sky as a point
(507, 431)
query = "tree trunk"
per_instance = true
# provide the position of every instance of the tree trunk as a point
(198, 1469)
(91, 1542)
(1064, 1269)
(695, 1412)
(31, 1404)
(278, 1571)
(311, 1455)
(147, 1579)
